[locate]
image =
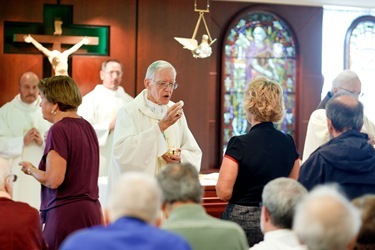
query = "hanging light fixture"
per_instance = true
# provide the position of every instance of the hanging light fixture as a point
(203, 49)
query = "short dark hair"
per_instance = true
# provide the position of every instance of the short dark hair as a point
(343, 115)
(104, 64)
(366, 236)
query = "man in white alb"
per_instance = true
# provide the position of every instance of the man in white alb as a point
(22, 133)
(100, 107)
(152, 131)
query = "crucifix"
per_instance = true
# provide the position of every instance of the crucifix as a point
(58, 59)
(53, 38)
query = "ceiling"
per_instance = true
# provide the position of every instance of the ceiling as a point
(349, 3)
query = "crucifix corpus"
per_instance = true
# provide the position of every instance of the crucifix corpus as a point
(57, 58)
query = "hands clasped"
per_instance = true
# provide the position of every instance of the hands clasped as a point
(33, 135)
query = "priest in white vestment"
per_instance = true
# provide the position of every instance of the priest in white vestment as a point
(100, 107)
(152, 131)
(22, 133)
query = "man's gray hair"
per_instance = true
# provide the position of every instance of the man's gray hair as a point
(326, 219)
(345, 78)
(345, 112)
(136, 195)
(180, 183)
(157, 66)
(280, 197)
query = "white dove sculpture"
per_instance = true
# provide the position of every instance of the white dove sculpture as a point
(202, 50)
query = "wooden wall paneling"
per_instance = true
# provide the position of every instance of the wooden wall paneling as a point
(158, 24)
(13, 65)
(120, 16)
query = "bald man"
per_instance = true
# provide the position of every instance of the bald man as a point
(317, 131)
(22, 134)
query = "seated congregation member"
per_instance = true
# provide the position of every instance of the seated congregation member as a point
(347, 159)
(279, 200)
(182, 193)
(68, 170)
(254, 159)
(133, 209)
(20, 226)
(325, 219)
(366, 236)
(317, 131)
(147, 127)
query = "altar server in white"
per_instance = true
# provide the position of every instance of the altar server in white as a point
(100, 107)
(152, 131)
(22, 133)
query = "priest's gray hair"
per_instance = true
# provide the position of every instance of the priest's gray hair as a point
(136, 195)
(158, 66)
(180, 183)
(346, 79)
(326, 219)
(280, 197)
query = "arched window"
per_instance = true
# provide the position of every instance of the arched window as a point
(257, 43)
(360, 57)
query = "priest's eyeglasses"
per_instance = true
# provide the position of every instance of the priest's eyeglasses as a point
(359, 94)
(164, 85)
(12, 177)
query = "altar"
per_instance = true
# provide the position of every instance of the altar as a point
(213, 205)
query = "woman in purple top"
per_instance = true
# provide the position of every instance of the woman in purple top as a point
(69, 168)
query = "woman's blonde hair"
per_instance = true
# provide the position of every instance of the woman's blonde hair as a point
(263, 100)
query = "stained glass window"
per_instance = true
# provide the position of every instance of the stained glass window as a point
(257, 43)
(360, 57)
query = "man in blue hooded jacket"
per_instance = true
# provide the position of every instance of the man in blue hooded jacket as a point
(347, 159)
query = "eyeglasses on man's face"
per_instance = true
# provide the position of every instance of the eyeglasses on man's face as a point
(164, 84)
(12, 177)
(359, 94)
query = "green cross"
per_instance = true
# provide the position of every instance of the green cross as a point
(48, 34)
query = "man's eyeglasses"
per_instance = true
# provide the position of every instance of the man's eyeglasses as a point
(165, 85)
(12, 177)
(359, 94)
